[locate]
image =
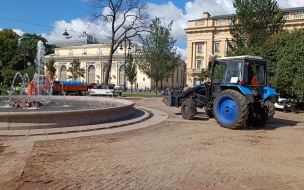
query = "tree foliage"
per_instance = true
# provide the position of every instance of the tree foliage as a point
(160, 58)
(127, 19)
(284, 54)
(131, 70)
(9, 58)
(16, 51)
(253, 24)
(51, 69)
(75, 70)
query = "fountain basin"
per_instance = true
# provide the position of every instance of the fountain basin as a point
(42, 119)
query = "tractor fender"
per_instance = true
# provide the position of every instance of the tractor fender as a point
(242, 89)
(271, 94)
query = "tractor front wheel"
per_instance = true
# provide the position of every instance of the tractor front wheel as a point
(188, 109)
(230, 109)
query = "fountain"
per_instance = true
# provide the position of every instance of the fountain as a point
(37, 109)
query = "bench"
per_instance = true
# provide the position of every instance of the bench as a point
(101, 92)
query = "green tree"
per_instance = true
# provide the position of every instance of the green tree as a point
(29, 43)
(10, 60)
(269, 51)
(127, 19)
(130, 70)
(75, 70)
(51, 69)
(253, 24)
(159, 58)
(288, 76)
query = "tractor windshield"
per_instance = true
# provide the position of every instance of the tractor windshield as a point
(255, 73)
(234, 72)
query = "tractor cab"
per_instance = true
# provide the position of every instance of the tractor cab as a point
(240, 71)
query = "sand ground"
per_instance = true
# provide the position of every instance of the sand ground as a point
(175, 154)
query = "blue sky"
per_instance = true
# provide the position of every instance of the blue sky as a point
(51, 17)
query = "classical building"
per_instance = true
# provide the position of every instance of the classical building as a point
(94, 59)
(207, 36)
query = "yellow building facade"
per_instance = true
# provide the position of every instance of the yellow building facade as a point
(94, 58)
(207, 36)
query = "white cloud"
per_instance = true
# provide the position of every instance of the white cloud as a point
(290, 3)
(195, 10)
(18, 31)
(74, 28)
(167, 12)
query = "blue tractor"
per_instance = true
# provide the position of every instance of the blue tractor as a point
(238, 94)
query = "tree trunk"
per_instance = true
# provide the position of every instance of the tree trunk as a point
(107, 74)
(156, 84)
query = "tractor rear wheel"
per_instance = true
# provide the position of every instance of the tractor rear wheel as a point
(188, 109)
(260, 114)
(230, 109)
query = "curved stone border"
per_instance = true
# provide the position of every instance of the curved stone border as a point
(143, 117)
(67, 118)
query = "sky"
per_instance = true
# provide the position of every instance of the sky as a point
(50, 18)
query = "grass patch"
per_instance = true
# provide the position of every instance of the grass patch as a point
(142, 95)
(2, 91)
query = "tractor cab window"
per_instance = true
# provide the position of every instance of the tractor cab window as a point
(255, 74)
(218, 72)
(234, 72)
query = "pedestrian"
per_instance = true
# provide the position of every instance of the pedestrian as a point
(186, 88)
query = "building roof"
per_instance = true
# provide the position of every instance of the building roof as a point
(81, 39)
(231, 15)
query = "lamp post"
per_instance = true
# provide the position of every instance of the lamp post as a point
(66, 34)
(125, 53)
(24, 53)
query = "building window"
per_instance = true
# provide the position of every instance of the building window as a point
(199, 48)
(229, 21)
(286, 15)
(121, 75)
(229, 45)
(176, 75)
(63, 73)
(143, 79)
(217, 47)
(199, 64)
(182, 76)
(91, 74)
(219, 22)
(299, 15)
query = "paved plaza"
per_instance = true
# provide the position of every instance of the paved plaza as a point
(157, 149)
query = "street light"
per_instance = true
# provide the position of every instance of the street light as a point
(129, 48)
(66, 34)
(24, 53)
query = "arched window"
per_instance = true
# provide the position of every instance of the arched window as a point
(182, 76)
(177, 76)
(63, 73)
(121, 74)
(91, 74)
